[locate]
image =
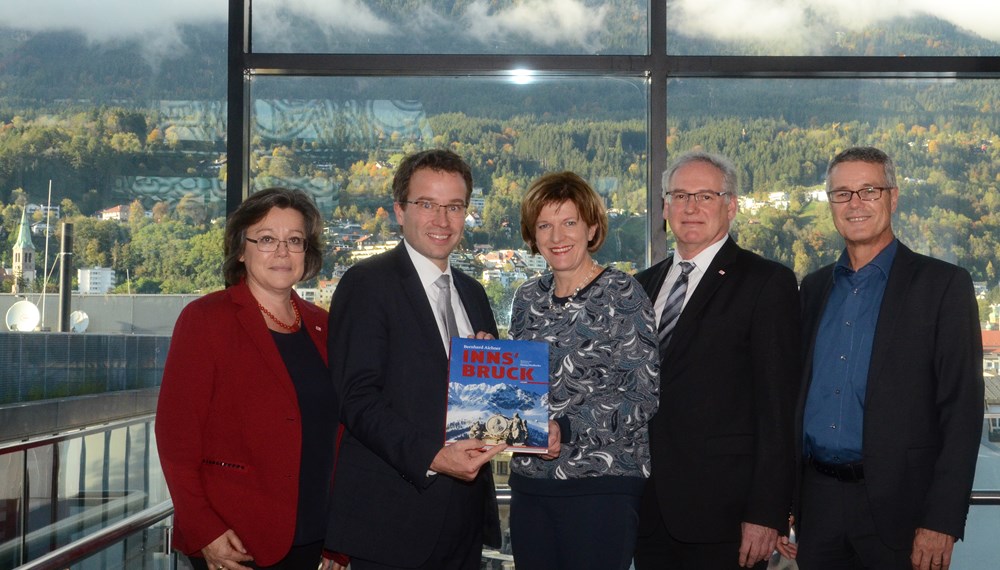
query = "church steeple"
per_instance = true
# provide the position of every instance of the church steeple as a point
(24, 255)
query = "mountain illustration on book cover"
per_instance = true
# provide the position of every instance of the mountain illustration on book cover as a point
(498, 392)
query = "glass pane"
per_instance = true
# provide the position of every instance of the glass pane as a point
(121, 107)
(988, 466)
(340, 138)
(11, 507)
(44, 505)
(818, 27)
(943, 137)
(980, 548)
(436, 26)
(144, 550)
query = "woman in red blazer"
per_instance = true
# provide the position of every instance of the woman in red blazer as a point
(247, 417)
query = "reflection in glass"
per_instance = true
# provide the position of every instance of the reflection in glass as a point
(340, 138)
(818, 27)
(436, 26)
(122, 109)
(11, 507)
(782, 133)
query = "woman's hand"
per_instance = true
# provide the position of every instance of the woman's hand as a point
(226, 552)
(554, 444)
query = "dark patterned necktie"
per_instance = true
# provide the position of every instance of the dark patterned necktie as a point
(672, 310)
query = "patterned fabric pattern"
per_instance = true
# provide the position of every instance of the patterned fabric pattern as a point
(603, 374)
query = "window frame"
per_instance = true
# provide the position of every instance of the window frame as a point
(656, 66)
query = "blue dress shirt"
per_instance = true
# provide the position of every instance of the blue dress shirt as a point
(835, 406)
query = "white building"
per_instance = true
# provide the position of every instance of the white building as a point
(532, 263)
(118, 213)
(96, 280)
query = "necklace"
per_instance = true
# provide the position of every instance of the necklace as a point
(552, 292)
(292, 327)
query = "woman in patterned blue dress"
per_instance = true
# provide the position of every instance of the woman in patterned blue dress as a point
(577, 506)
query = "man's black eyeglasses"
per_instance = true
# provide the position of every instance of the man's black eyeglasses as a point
(428, 207)
(867, 194)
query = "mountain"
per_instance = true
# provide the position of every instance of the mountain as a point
(470, 402)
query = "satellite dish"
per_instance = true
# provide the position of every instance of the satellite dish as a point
(78, 321)
(23, 316)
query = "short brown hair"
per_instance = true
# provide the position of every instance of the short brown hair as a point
(254, 209)
(436, 159)
(556, 188)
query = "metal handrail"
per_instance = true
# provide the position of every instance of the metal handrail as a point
(65, 435)
(98, 541)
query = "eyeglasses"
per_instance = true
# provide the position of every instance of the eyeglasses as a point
(702, 197)
(868, 193)
(428, 207)
(267, 244)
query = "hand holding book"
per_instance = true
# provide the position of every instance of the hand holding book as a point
(463, 459)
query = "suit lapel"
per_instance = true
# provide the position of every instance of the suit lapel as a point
(472, 308)
(252, 323)
(418, 301)
(714, 277)
(812, 315)
(900, 278)
(658, 275)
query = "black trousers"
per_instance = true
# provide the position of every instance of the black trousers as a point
(661, 551)
(575, 532)
(460, 544)
(836, 530)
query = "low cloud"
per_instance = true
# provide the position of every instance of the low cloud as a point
(801, 26)
(336, 18)
(544, 22)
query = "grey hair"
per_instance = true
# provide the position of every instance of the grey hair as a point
(730, 176)
(867, 154)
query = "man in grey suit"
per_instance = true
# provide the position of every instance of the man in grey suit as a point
(401, 499)
(890, 415)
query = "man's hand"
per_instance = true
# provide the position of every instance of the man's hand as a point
(463, 458)
(785, 546)
(757, 544)
(227, 552)
(327, 564)
(931, 550)
(554, 445)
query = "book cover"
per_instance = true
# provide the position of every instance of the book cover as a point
(498, 392)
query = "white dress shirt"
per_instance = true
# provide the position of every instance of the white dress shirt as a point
(701, 263)
(428, 273)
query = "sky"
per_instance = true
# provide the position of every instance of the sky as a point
(575, 23)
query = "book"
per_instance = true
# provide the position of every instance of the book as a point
(499, 392)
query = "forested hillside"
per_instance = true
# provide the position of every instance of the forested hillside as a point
(88, 126)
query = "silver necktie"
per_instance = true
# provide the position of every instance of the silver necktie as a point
(443, 284)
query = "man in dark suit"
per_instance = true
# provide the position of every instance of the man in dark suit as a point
(401, 499)
(890, 417)
(721, 442)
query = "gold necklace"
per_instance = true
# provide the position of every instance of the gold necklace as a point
(586, 280)
(292, 327)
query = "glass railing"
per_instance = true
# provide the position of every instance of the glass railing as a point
(59, 489)
(95, 499)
